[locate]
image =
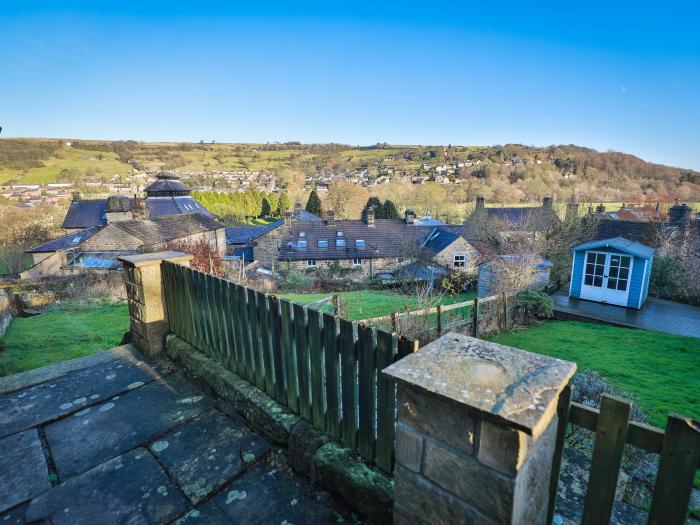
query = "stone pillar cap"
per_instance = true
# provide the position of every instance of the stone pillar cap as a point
(148, 259)
(506, 385)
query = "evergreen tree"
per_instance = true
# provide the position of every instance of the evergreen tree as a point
(375, 204)
(389, 210)
(284, 204)
(313, 205)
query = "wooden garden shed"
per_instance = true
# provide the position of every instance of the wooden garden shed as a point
(613, 271)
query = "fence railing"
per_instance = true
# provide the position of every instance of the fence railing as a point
(324, 368)
(678, 447)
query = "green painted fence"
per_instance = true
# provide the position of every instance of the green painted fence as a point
(324, 368)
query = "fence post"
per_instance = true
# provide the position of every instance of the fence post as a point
(475, 315)
(476, 432)
(505, 311)
(395, 322)
(439, 320)
(146, 298)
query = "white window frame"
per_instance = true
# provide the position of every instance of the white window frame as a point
(463, 261)
(311, 263)
(357, 261)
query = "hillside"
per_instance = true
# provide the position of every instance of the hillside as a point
(510, 173)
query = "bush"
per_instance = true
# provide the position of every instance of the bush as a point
(535, 304)
(671, 279)
(296, 281)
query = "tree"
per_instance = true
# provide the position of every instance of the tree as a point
(284, 204)
(206, 258)
(375, 204)
(389, 210)
(346, 199)
(313, 205)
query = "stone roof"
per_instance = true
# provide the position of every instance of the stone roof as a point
(168, 227)
(387, 238)
(639, 231)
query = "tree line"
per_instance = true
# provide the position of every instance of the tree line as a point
(243, 204)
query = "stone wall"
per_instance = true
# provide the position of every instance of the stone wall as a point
(5, 311)
(111, 238)
(368, 268)
(266, 248)
(458, 247)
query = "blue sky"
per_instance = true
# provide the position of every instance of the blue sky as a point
(623, 76)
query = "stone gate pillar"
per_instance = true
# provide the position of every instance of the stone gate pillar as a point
(144, 292)
(476, 432)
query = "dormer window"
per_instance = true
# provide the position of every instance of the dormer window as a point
(359, 242)
(340, 234)
(323, 243)
(302, 234)
(341, 243)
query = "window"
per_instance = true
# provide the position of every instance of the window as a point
(302, 234)
(323, 243)
(301, 244)
(340, 234)
(341, 243)
(460, 261)
(311, 263)
(595, 269)
(357, 262)
(359, 242)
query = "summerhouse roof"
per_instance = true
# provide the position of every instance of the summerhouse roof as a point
(619, 243)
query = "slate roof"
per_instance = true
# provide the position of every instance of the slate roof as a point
(72, 240)
(439, 239)
(245, 234)
(166, 184)
(534, 217)
(168, 227)
(92, 212)
(639, 231)
(307, 216)
(619, 243)
(386, 238)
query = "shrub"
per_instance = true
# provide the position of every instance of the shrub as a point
(296, 281)
(535, 304)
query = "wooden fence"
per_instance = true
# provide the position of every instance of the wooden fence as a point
(678, 447)
(324, 368)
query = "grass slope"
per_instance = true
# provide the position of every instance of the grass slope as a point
(660, 370)
(365, 304)
(60, 335)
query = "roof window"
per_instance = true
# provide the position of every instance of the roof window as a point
(323, 243)
(359, 242)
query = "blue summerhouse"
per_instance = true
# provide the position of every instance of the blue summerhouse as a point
(612, 271)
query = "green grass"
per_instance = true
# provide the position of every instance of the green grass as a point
(659, 370)
(366, 304)
(60, 335)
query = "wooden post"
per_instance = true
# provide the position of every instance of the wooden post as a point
(439, 320)
(505, 311)
(395, 322)
(475, 316)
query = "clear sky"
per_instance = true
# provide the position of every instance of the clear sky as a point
(609, 75)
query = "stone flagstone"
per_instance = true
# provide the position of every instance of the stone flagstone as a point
(103, 431)
(23, 470)
(207, 452)
(127, 489)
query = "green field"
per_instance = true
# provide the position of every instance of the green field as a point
(366, 304)
(659, 370)
(59, 335)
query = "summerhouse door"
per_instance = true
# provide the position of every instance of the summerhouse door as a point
(606, 277)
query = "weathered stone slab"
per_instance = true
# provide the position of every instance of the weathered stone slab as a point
(266, 494)
(304, 441)
(101, 432)
(23, 470)
(14, 516)
(70, 393)
(127, 489)
(207, 514)
(499, 382)
(208, 452)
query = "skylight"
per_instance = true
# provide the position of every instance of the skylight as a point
(323, 243)
(359, 242)
(301, 244)
(340, 243)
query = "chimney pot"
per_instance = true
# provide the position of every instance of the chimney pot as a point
(370, 216)
(410, 216)
(480, 203)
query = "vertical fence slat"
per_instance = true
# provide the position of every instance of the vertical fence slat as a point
(278, 363)
(406, 347)
(366, 371)
(232, 318)
(330, 346)
(302, 351)
(290, 356)
(386, 401)
(680, 458)
(196, 290)
(264, 333)
(563, 407)
(348, 361)
(611, 432)
(258, 344)
(219, 321)
(318, 397)
(185, 276)
(249, 319)
(226, 324)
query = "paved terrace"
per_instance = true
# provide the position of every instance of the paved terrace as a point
(657, 314)
(114, 439)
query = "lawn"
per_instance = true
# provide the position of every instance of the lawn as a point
(659, 370)
(59, 335)
(366, 304)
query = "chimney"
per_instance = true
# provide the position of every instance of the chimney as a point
(410, 216)
(679, 214)
(297, 210)
(76, 196)
(370, 216)
(287, 218)
(330, 217)
(480, 203)
(571, 210)
(600, 208)
(547, 201)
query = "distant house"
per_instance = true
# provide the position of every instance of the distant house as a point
(166, 196)
(613, 271)
(372, 246)
(97, 248)
(511, 221)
